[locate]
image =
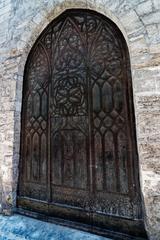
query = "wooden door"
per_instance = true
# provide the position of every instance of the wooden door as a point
(78, 145)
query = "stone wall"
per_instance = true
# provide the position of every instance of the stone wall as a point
(21, 22)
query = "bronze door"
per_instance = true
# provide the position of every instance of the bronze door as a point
(78, 144)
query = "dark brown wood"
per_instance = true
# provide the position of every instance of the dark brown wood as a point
(90, 228)
(78, 143)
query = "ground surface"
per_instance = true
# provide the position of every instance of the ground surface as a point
(19, 227)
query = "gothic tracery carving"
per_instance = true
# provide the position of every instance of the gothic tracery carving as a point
(75, 100)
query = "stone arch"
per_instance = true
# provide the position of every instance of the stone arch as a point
(42, 19)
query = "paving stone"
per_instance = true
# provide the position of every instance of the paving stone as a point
(19, 227)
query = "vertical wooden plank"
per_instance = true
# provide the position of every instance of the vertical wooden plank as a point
(27, 162)
(98, 161)
(56, 160)
(80, 161)
(35, 157)
(43, 162)
(44, 105)
(118, 96)
(36, 105)
(96, 98)
(68, 173)
(107, 104)
(122, 154)
(109, 155)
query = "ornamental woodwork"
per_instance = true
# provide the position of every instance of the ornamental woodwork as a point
(78, 147)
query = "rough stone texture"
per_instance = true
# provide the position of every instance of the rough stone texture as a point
(23, 228)
(21, 23)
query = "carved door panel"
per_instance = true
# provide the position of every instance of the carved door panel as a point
(33, 171)
(69, 118)
(78, 146)
(114, 190)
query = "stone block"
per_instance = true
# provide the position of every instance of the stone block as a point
(156, 4)
(148, 103)
(138, 45)
(6, 173)
(7, 198)
(144, 8)
(144, 80)
(149, 154)
(151, 18)
(131, 22)
(148, 125)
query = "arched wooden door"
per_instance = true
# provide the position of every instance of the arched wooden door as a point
(78, 144)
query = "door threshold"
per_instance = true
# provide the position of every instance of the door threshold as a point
(79, 226)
